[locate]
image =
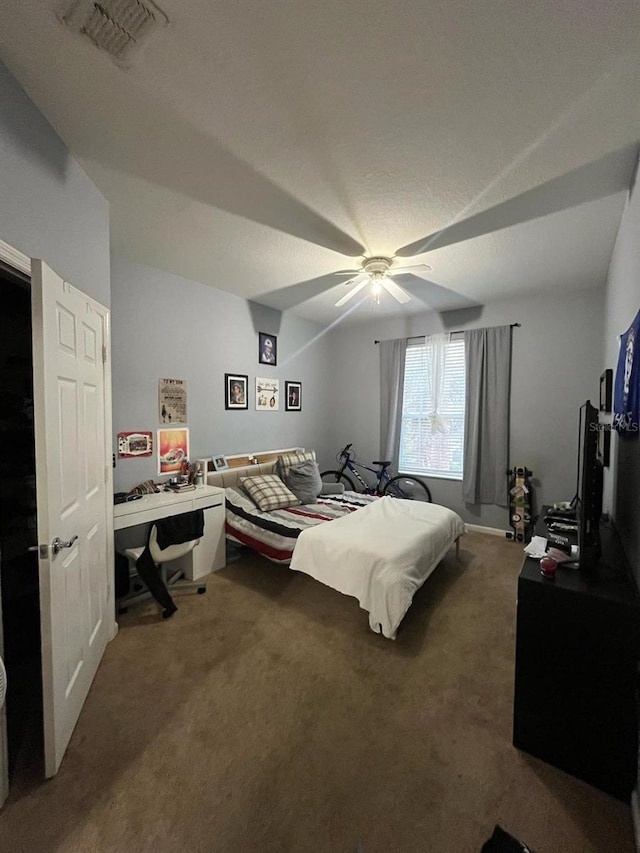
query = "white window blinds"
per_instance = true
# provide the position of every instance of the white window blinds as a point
(424, 450)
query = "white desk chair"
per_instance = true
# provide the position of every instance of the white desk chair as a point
(162, 557)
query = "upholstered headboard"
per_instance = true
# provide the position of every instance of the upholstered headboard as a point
(242, 466)
(232, 476)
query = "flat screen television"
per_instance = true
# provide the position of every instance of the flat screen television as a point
(589, 491)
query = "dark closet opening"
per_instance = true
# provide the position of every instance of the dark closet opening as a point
(18, 532)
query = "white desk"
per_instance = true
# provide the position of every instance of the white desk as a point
(208, 556)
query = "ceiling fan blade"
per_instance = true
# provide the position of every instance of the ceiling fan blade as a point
(212, 174)
(438, 298)
(358, 283)
(351, 280)
(348, 272)
(421, 273)
(295, 294)
(412, 268)
(603, 177)
(396, 291)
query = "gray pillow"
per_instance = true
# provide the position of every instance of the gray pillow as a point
(332, 489)
(304, 481)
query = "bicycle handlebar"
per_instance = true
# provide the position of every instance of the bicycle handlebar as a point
(344, 453)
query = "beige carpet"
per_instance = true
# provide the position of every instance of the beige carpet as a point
(265, 716)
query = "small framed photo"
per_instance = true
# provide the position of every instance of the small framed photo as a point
(267, 348)
(293, 396)
(235, 391)
(606, 385)
(220, 463)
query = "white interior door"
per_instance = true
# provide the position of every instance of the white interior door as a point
(4, 747)
(75, 507)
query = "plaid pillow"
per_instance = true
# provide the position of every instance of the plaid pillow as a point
(288, 459)
(268, 492)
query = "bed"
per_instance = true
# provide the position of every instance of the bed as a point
(381, 555)
(378, 550)
(274, 534)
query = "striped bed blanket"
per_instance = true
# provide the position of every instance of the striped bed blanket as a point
(274, 534)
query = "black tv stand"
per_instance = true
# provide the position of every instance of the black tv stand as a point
(577, 668)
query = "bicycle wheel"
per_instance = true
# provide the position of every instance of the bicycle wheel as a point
(408, 488)
(338, 477)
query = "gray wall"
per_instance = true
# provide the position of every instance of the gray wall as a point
(557, 356)
(167, 326)
(49, 208)
(622, 494)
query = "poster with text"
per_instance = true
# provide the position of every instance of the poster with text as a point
(172, 401)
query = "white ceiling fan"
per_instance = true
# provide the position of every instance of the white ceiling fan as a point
(379, 271)
(589, 182)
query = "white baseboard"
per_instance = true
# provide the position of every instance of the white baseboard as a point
(635, 815)
(478, 528)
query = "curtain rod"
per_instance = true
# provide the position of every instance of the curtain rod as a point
(457, 332)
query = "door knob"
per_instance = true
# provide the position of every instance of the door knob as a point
(57, 544)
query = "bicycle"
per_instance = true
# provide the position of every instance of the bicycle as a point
(408, 488)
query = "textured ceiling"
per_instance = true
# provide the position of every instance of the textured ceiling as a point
(254, 146)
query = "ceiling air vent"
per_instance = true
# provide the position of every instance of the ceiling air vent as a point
(119, 27)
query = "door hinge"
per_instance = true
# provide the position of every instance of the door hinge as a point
(104, 354)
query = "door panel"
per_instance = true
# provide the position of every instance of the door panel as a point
(65, 451)
(74, 500)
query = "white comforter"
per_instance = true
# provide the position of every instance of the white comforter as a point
(380, 554)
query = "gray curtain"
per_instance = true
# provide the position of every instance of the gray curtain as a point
(486, 419)
(392, 358)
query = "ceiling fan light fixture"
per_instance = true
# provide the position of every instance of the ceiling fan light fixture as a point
(377, 266)
(378, 271)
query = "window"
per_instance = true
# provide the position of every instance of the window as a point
(433, 454)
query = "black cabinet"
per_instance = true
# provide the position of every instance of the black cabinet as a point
(576, 670)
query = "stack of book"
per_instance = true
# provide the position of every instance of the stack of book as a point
(562, 529)
(180, 487)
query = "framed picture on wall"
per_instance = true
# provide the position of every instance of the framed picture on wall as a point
(606, 385)
(173, 450)
(132, 444)
(267, 394)
(267, 349)
(604, 444)
(235, 391)
(293, 396)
